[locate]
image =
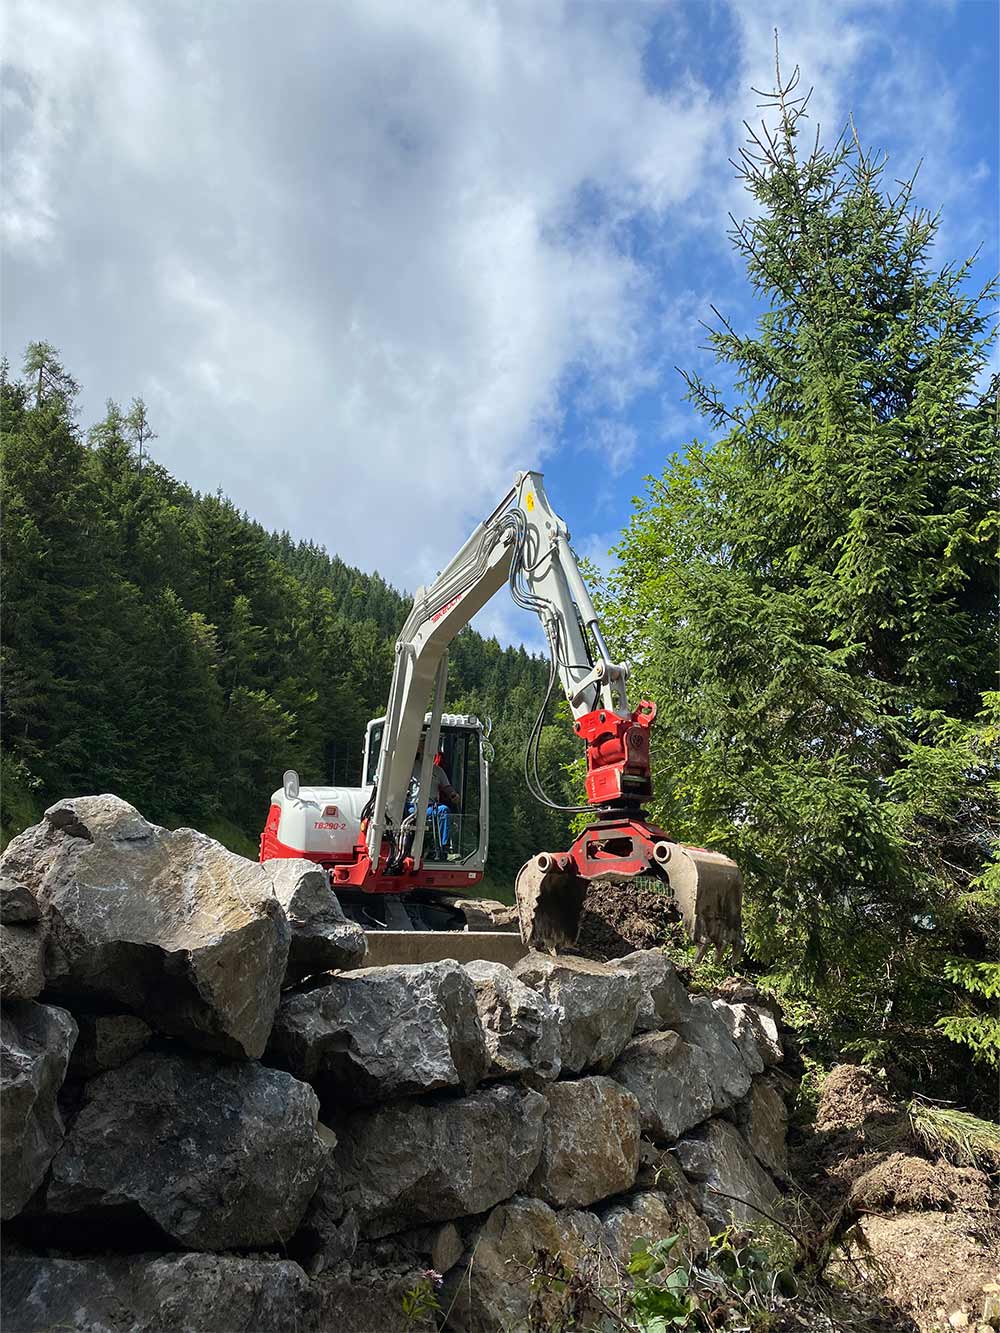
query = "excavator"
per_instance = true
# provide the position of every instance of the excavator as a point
(398, 860)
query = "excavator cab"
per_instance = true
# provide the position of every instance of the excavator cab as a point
(453, 839)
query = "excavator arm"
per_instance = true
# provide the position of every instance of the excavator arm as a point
(525, 544)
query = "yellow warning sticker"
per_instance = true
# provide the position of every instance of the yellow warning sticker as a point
(529, 501)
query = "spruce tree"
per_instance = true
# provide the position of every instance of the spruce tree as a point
(811, 594)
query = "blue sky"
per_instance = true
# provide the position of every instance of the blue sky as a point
(364, 264)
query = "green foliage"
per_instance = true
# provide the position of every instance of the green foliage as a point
(976, 1023)
(811, 599)
(963, 1138)
(161, 645)
(420, 1303)
(740, 1283)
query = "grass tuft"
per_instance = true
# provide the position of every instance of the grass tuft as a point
(963, 1138)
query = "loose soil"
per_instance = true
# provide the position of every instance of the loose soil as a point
(620, 918)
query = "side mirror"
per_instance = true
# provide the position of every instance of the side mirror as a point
(290, 782)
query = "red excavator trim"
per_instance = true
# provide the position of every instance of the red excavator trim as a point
(617, 754)
(360, 874)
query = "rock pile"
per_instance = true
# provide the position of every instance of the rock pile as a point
(216, 1117)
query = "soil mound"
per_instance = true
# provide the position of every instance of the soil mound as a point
(913, 1183)
(852, 1097)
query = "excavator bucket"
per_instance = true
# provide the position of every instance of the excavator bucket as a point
(550, 896)
(705, 888)
(707, 891)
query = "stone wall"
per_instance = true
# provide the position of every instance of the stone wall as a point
(216, 1118)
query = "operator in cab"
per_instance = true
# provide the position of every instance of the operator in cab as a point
(442, 797)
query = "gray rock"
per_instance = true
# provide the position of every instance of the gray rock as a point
(490, 1288)
(520, 1025)
(596, 1004)
(22, 971)
(590, 1148)
(731, 1186)
(328, 1234)
(383, 1032)
(670, 1080)
(107, 1041)
(35, 1045)
(481, 914)
(220, 1156)
(708, 1031)
(441, 1245)
(763, 1120)
(651, 1215)
(362, 1299)
(664, 999)
(754, 1032)
(171, 925)
(17, 904)
(322, 939)
(408, 1163)
(147, 1293)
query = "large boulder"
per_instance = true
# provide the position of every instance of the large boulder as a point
(520, 1025)
(407, 1163)
(730, 1184)
(363, 1299)
(491, 1287)
(754, 1032)
(107, 1041)
(146, 1293)
(219, 1156)
(596, 1005)
(590, 1148)
(383, 1032)
(322, 938)
(168, 924)
(22, 970)
(35, 1045)
(664, 999)
(670, 1080)
(727, 1072)
(763, 1120)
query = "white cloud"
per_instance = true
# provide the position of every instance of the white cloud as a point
(342, 255)
(596, 547)
(615, 443)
